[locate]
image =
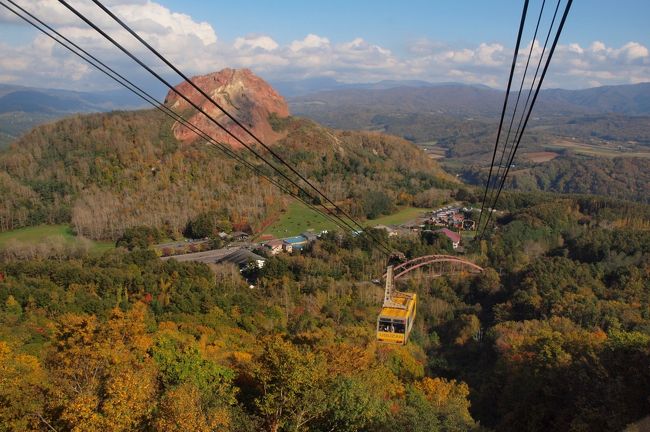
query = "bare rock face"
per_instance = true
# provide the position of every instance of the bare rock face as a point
(247, 97)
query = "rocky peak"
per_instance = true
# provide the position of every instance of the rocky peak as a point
(244, 95)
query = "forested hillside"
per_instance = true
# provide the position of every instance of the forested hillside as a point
(554, 335)
(621, 177)
(107, 172)
(22, 108)
(600, 132)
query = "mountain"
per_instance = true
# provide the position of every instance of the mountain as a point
(306, 86)
(55, 101)
(22, 108)
(247, 97)
(347, 107)
(598, 135)
(104, 173)
(339, 108)
(552, 334)
(633, 99)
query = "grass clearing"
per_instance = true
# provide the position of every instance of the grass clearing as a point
(37, 234)
(297, 219)
(404, 215)
(539, 157)
(602, 150)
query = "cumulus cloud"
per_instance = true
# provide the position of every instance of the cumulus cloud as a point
(179, 36)
(577, 66)
(310, 42)
(253, 42)
(195, 47)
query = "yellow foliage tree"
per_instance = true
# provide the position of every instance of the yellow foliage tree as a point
(103, 376)
(449, 396)
(181, 410)
(22, 389)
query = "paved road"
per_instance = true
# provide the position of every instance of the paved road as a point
(205, 257)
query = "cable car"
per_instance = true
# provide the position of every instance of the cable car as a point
(397, 314)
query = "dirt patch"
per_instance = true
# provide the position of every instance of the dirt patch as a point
(539, 157)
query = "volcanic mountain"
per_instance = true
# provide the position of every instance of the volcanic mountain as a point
(105, 173)
(244, 95)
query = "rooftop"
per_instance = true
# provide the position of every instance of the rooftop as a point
(241, 257)
(453, 236)
(296, 240)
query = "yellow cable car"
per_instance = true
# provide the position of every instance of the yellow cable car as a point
(395, 320)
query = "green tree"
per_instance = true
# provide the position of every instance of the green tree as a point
(290, 384)
(179, 361)
(139, 238)
(377, 203)
(354, 404)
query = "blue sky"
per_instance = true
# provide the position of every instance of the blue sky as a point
(391, 24)
(604, 42)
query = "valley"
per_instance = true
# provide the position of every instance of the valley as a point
(580, 128)
(185, 280)
(303, 216)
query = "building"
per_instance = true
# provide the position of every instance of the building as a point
(288, 247)
(274, 246)
(239, 236)
(243, 258)
(310, 236)
(454, 237)
(469, 224)
(297, 242)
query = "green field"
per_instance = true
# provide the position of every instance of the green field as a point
(299, 218)
(39, 233)
(403, 215)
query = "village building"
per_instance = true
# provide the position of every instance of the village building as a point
(310, 236)
(454, 237)
(239, 236)
(242, 258)
(299, 242)
(287, 247)
(469, 225)
(274, 246)
(277, 246)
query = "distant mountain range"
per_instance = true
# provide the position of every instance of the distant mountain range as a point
(54, 101)
(334, 107)
(341, 105)
(22, 108)
(307, 86)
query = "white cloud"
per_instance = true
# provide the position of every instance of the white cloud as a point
(194, 46)
(575, 66)
(597, 46)
(633, 50)
(253, 42)
(154, 19)
(490, 54)
(310, 42)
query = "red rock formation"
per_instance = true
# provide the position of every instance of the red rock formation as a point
(244, 95)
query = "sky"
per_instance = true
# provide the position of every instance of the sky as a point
(471, 41)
